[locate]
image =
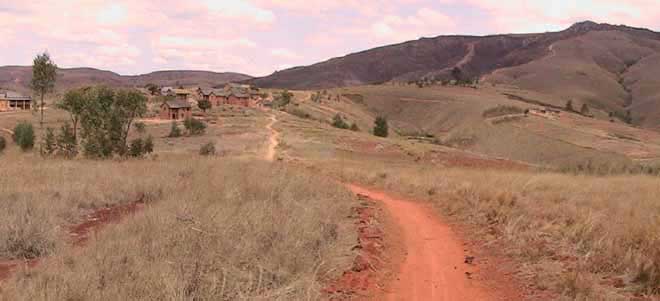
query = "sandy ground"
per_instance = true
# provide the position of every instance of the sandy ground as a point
(435, 266)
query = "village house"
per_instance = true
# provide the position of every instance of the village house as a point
(181, 94)
(232, 94)
(12, 101)
(175, 110)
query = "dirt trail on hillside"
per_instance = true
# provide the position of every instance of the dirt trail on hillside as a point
(435, 266)
(273, 140)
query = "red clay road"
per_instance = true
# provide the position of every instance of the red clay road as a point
(434, 266)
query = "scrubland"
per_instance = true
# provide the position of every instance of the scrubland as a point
(212, 229)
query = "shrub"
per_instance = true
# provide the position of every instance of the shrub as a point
(67, 144)
(354, 127)
(175, 131)
(339, 123)
(24, 135)
(569, 106)
(140, 127)
(380, 127)
(299, 113)
(48, 145)
(148, 145)
(194, 127)
(502, 110)
(3, 144)
(207, 149)
(136, 149)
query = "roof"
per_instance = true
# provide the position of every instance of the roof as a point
(14, 96)
(177, 104)
(181, 91)
(206, 92)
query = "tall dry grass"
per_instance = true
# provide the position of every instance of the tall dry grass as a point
(216, 230)
(583, 237)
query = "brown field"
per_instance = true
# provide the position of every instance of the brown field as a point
(570, 237)
(235, 227)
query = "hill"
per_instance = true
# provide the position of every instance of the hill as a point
(608, 67)
(18, 78)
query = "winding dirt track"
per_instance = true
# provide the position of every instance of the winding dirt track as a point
(434, 266)
(273, 140)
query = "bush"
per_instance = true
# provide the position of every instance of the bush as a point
(194, 126)
(3, 144)
(207, 149)
(67, 144)
(380, 127)
(354, 127)
(136, 148)
(204, 105)
(339, 123)
(148, 145)
(299, 113)
(502, 110)
(24, 135)
(48, 145)
(175, 131)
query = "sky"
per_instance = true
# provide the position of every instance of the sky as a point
(258, 37)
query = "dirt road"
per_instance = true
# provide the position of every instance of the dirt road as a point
(434, 267)
(273, 140)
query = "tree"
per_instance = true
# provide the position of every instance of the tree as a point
(67, 144)
(204, 105)
(339, 123)
(74, 102)
(152, 88)
(569, 106)
(107, 119)
(584, 110)
(194, 126)
(24, 135)
(381, 127)
(44, 73)
(48, 144)
(457, 74)
(283, 99)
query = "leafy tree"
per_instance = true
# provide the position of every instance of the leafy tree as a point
(380, 127)
(204, 105)
(107, 120)
(49, 144)
(339, 123)
(74, 102)
(283, 99)
(24, 135)
(3, 144)
(44, 74)
(136, 148)
(584, 110)
(207, 149)
(457, 74)
(67, 144)
(569, 106)
(354, 127)
(175, 131)
(153, 89)
(194, 127)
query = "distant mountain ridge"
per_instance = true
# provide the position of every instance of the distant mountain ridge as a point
(611, 68)
(18, 78)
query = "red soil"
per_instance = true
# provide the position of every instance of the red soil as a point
(436, 266)
(362, 279)
(80, 233)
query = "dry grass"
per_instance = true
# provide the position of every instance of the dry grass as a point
(575, 235)
(218, 229)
